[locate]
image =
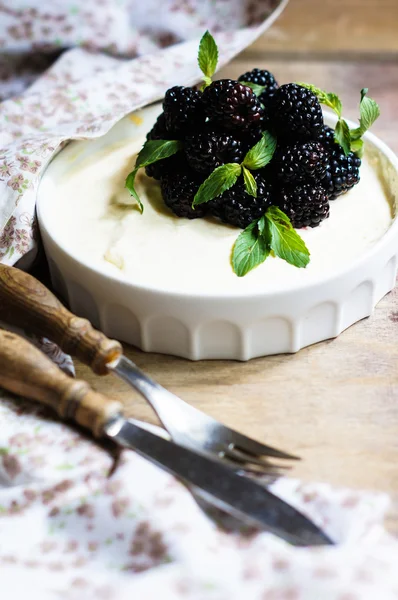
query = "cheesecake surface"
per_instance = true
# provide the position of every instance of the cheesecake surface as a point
(98, 220)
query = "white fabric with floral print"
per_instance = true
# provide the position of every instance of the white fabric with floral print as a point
(69, 530)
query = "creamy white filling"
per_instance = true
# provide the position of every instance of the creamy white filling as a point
(157, 249)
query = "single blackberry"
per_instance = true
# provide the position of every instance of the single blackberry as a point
(209, 150)
(161, 168)
(211, 95)
(263, 78)
(178, 191)
(342, 172)
(232, 105)
(300, 161)
(159, 131)
(327, 138)
(183, 110)
(268, 173)
(250, 138)
(306, 205)
(238, 208)
(295, 113)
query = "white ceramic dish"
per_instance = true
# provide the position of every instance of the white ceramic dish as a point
(242, 324)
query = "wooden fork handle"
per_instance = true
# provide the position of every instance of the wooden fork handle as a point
(27, 303)
(26, 371)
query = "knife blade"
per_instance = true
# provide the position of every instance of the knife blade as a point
(236, 494)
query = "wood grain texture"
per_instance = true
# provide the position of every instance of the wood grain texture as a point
(334, 403)
(25, 302)
(363, 27)
(26, 371)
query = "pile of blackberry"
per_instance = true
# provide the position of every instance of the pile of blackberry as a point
(221, 123)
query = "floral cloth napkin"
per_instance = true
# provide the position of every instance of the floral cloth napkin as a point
(68, 529)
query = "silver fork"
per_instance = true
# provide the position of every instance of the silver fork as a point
(192, 428)
(27, 303)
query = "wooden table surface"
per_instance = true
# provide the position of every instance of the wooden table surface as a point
(335, 403)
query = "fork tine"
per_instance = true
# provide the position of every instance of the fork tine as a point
(254, 448)
(250, 468)
(242, 457)
(184, 421)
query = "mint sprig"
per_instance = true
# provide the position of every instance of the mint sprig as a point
(273, 231)
(151, 152)
(207, 57)
(349, 139)
(225, 176)
(369, 111)
(221, 179)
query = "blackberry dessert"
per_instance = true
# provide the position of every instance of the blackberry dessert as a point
(253, 155)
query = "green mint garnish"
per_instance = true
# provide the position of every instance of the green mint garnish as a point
(250, 249)
(257, 89)
(250, 182)
(261, 154)
(273, 231)
(357, 147)
(225, 176)
(220, 180)
(130, 180)
(369, 111)
(154, 150)
(285, 241)
(342, 131)
(151, 152)
(330, 100)
(207, 57)
(342, 136)
(349, 140)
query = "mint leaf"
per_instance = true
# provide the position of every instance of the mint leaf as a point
(334, 102)
(257, 89)
(207, 56)
(355, 134)
(328, 99)
(342, 136)
(261, 154)
(130, 179)
(284, 240)
(250, 182)
(154, 150)
(221, 179)
(357, 147)
(251, 248)
(369, 111)
(263, 227)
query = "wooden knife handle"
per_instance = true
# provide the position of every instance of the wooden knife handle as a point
(27, 303)
(26, 371)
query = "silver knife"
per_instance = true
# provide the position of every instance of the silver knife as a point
(239, 496)
(26, 371)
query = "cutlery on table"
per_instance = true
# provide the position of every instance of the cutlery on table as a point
(27, 303)
(26, 371)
